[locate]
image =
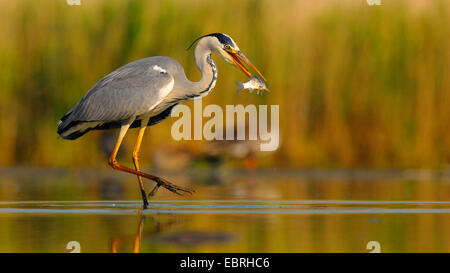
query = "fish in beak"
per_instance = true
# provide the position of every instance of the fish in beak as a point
(239, 58)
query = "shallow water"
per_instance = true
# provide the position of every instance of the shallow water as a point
(295, 211)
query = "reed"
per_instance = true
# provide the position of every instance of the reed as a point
(357, 85)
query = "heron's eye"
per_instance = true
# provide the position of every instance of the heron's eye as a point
(227, 47)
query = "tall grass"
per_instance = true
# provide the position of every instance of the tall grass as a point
(357, 85)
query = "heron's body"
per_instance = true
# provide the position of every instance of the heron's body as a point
(141, 89)
(143, 93)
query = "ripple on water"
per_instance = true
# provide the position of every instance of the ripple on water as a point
(228, 207)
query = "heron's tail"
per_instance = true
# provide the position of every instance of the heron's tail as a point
(70, 129)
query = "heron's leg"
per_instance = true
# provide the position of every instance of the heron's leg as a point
(137, 147)
(161, 182)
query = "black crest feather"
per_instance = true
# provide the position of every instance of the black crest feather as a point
(224, 39)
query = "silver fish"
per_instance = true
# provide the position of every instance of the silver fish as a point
(253, 83)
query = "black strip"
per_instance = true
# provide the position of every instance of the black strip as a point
(230, 262)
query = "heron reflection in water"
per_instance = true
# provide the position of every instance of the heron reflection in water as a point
(136, 238)
(143, 93)
(162, 233)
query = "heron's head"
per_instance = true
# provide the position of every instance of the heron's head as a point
(224, 46)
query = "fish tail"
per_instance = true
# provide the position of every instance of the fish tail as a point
(241, 86)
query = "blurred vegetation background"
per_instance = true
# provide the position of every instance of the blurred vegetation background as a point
(358, 86)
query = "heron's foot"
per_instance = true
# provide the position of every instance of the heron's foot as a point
(171, 187)
(159, 181)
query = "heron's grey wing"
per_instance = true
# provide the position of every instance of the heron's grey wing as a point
(129, 91)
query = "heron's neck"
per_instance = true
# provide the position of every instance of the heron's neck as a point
(208, 69)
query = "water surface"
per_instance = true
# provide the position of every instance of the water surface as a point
(44, 210)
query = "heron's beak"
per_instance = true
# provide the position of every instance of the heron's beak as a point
(238, 57)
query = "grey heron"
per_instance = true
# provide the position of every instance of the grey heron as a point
(143, 93)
